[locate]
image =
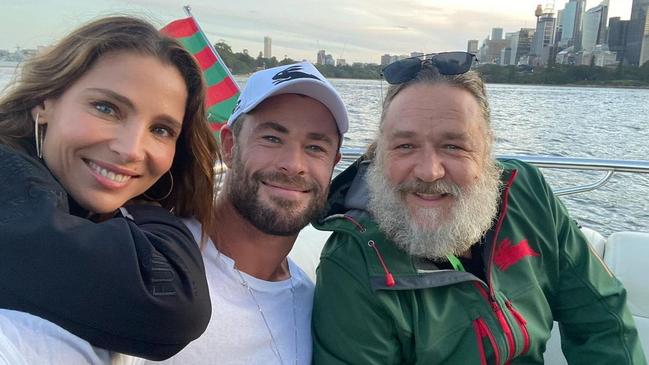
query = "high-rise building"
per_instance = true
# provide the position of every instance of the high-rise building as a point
(506, 56)
(329, 60)
(492, 49)
(603, 30)
(472, 46)
(594, 26)
(617, 30)
(558, 27)
(570, 24)
(385, 59)
(320, 60)
(482, 50)
(496, 34)
(524, 44)
(637, 38)
(267, 47)
(509, 55)
(543, 36)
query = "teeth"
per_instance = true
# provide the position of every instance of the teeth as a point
(108, 174)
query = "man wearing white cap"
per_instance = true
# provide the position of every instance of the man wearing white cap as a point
(280, 145)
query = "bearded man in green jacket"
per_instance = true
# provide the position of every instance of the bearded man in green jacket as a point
(442, 255)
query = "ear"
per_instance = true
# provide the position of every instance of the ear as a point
(337, 159)
(227, 145)
(490, 141)
(41, 110)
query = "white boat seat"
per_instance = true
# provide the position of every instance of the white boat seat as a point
(625, 254)
(307, 248)
(596, 240)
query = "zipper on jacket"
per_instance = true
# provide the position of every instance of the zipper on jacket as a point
(389, 279)
(482, 330)
(502, 321)
(491, 297)
(497, 232)
(522, 323)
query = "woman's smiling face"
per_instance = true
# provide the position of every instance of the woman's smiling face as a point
(112, 134)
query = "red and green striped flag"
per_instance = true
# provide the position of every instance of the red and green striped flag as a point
(222, 90)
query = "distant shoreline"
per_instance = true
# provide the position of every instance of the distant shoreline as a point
(612, 85)
(5, 65)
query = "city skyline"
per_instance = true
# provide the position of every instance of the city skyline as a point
(361, 31)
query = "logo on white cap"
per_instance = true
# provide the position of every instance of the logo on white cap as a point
(291, 73)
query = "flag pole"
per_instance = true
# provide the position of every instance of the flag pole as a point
(187, 9)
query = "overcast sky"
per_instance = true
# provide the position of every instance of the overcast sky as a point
(359, 31)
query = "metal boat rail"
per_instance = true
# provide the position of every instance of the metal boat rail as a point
(609, 167)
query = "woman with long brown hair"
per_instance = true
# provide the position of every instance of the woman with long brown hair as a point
(103, 144)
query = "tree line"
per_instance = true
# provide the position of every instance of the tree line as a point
(568, 75)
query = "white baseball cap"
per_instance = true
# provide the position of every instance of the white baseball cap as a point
(299, 78)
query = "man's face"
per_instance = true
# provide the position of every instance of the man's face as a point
(433, 179)
(281, 163)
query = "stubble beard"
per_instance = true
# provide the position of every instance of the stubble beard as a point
(435, 232)
(279, 217)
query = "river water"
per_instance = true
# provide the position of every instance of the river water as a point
(545, 120)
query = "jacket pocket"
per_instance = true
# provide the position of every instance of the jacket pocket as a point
(483, 331)
(522, 325)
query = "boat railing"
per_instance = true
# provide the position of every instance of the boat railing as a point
(607, 166)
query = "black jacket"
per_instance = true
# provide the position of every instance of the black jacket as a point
(134, 285)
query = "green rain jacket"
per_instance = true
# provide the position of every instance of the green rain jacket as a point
(375, 304)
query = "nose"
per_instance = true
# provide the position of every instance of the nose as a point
(430, 167)
(129, 142)
(291, 160)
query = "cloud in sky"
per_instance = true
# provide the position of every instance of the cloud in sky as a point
(360, 30)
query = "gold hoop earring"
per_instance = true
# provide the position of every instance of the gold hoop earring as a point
(171, 188)
(38, 137)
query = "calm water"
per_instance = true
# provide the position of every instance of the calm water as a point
(546, 120)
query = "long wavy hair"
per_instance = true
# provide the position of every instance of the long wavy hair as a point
(50, 73)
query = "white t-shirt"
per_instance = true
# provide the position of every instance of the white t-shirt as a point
(237, 333)
(26, 339)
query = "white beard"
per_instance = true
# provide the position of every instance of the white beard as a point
(435, 232)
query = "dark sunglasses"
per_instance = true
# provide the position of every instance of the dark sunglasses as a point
(447, 63)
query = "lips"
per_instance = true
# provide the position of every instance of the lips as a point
(284, 191)
(428, 196)
(109, 173)
(275, 185)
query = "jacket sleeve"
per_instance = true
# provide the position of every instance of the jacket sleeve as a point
(590, 305)
(134, 285)
(349, 325)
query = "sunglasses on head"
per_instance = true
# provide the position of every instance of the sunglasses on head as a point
(447, 63)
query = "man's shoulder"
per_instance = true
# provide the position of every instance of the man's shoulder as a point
(365, 249)
(527, 176)
(509, 164)
(348, 233)
(299, 276)
(194, 227)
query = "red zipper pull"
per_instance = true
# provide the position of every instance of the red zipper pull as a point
(389, 279)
